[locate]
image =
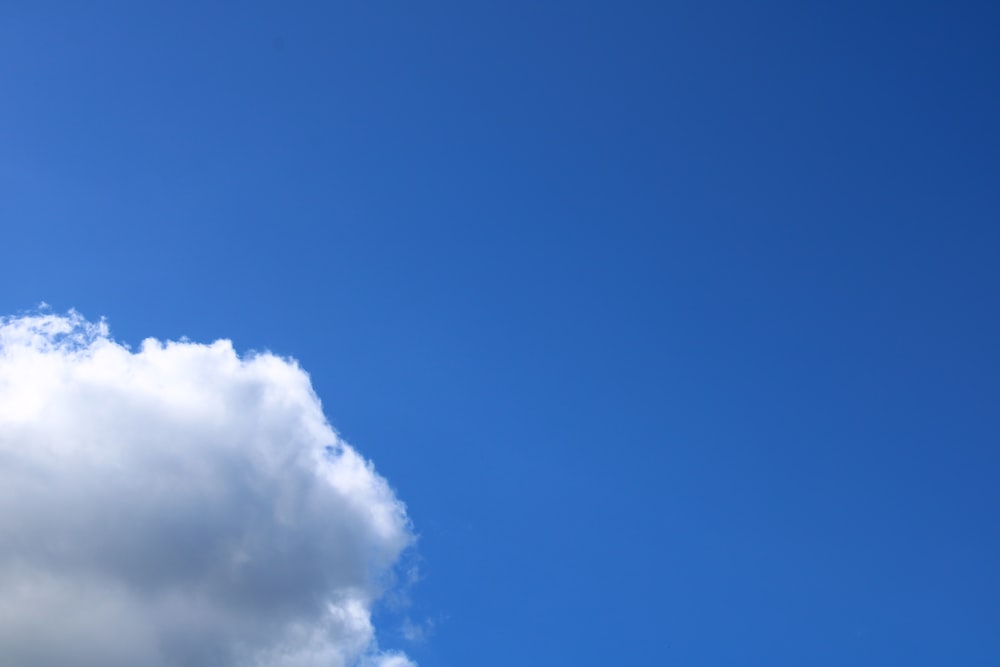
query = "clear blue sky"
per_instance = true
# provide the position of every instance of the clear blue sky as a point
(674, 324)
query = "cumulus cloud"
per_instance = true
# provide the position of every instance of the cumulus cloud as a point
(180, 505)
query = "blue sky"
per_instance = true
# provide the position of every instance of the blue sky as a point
(673, 324)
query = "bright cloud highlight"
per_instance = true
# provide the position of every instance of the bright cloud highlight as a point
(180, 505)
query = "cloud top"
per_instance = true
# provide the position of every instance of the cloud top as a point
(180, 505)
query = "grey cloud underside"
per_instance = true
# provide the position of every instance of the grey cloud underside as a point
(179, 505)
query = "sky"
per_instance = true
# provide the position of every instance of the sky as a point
(669, 331)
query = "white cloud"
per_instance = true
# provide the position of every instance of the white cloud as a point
(417, 631)
(179, 505)
(392, 660)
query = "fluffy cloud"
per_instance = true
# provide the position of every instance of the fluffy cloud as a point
(178, 505)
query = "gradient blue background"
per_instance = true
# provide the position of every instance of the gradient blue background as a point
(675, 324)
